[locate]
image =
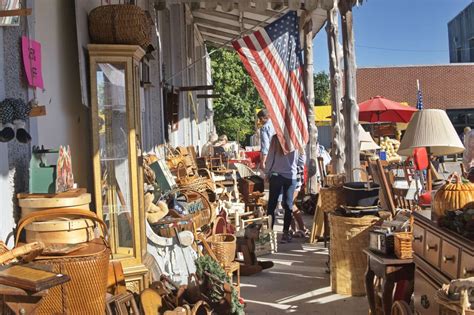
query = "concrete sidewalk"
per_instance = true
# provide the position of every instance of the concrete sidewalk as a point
(298, 283)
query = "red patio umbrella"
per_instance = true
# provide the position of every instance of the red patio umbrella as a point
(380, 109)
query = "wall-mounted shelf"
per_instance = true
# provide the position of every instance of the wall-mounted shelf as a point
(17, 12)
(39, 110)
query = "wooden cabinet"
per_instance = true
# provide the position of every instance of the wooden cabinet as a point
(118, 175)
(426, 291)
(432, 248)
(467, 266)
(440, 256)
(418, 240)
(449, 260)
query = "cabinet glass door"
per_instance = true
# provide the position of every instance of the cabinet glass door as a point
(114, 155)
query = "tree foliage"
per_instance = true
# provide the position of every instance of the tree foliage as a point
(322, 89)
(234, 110)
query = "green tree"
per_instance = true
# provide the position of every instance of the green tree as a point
(322, 91)
(234, 110)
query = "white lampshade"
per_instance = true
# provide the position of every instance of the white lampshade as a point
(432, 129)
(366, 141)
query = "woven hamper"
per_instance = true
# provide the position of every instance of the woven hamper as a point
(349, 236)
(332, 198)
(120, 24)
(87, 267)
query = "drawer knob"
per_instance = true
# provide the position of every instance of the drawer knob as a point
(467, 272)
(424, 301)
(432, 247)
(451, 258)
(418, 238)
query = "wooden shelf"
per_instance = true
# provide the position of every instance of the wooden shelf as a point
(17, 12)
(38, 111)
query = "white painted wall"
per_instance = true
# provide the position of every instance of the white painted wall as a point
(67, 120)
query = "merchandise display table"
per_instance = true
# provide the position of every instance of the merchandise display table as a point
(392, 270)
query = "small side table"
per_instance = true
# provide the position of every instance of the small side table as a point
(392, 270)
(229, 270)
(19, 302)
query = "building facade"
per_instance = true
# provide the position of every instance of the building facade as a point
(179, 60)
(461, 36)
(449, 87)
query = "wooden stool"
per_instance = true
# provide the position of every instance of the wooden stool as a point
(229, 270)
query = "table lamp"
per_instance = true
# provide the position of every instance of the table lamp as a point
(432, 129)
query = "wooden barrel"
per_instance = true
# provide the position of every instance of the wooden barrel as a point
(349, 236)
(76, 198)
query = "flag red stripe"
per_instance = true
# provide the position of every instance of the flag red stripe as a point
(297, 81)
(258, 85)
(294, 108)
(280, 104)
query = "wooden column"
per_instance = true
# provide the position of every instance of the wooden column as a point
(311, 154)
(338, 157)
(351, 109)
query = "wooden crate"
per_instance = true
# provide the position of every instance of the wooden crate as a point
(267, 241)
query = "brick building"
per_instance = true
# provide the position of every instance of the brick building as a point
(449, 87)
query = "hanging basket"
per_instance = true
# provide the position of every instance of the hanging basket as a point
(120, 24)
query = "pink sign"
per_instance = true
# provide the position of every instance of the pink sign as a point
(32, 61)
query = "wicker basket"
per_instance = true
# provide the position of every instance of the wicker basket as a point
(87, 267)
(349, 236)
(403, 245)
(331, 198)
(223, 245)
(120, 24)
(335, 180)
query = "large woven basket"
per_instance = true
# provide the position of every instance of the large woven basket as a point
(87, 267)
(349, 236)
(332, 198)
(120, 24)
(223, 245)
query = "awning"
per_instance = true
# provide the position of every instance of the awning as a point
(322, 115)
(220, 22)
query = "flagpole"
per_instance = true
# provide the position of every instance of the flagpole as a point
(312, 158)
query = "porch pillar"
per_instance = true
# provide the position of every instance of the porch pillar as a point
(311, 154)
(337, 119)
(351, 110)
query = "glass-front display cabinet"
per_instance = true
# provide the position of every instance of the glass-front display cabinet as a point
(118, 175)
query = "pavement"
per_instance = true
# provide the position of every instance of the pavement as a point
(299, 282)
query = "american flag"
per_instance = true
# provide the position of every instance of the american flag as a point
(419, 101)
(272, 56)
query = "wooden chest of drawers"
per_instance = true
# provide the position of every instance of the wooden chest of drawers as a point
(440, 256)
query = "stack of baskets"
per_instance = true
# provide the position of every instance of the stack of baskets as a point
(403, 243)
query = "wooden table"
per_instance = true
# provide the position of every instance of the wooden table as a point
(18, 301)
(392, 270)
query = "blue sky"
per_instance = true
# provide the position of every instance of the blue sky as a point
(402, 32)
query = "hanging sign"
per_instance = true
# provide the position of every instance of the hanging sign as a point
(32, 61)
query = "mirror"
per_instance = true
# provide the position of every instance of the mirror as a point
(9, 5)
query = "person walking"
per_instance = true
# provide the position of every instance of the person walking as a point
(266, 133)
(297, 216)
(281, 173)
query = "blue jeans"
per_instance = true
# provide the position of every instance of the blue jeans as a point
(280, 184)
